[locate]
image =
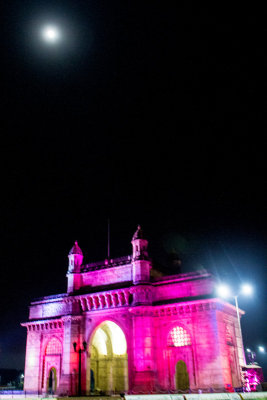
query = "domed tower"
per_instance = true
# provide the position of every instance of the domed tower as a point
(75, 262)
(140, 260)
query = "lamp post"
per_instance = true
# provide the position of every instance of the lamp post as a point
(239, 325)
(80, 351)
(224, 291)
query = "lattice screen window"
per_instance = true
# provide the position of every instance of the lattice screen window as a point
(53, 347)
(178, 337)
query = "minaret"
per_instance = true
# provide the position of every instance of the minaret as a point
(75, 262)
(140, 260)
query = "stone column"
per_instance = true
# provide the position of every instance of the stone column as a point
(73, 332)
(143, 350)
(32, 361)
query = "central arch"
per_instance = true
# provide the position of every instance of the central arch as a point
(109, 359)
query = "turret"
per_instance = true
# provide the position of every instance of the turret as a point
(140, 260)
(139, 245)
(75, 258)
(75, 262)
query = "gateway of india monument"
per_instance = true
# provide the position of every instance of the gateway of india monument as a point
(123, 327)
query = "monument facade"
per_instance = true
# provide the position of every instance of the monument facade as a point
(122, 327)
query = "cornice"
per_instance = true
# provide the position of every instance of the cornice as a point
(198, 306)
(43, 325)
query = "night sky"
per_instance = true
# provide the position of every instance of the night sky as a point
(148, 113)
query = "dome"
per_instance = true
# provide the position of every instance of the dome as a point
(76, 249)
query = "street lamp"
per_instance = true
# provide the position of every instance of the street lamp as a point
(224, 291)
(80, 351)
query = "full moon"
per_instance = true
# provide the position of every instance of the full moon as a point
(50, 34)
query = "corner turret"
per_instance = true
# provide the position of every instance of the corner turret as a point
(75, 258)
(140, 259)
(75, 261)
(139, 245)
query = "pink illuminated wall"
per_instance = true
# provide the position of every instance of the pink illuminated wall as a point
(173, 330)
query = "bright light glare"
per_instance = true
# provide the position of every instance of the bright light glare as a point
(119, 345)
(247, 289)
(224, 291)
(51, 34)
(31, 360)
(100, 342)
(261, 349)
(248, 350)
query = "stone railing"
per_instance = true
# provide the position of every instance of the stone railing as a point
(113, 262)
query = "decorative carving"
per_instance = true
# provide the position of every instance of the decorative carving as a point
(102, 301)
(39, 326)
(161, 311)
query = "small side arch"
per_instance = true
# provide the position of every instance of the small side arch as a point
(180, 358)
(52, 381)
(51, 368)
(181, 376)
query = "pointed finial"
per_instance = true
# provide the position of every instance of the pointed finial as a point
(138, 234)
(76, 249)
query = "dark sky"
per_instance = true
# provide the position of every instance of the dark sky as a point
(150, 112)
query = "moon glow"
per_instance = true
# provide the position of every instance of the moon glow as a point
(50, 34)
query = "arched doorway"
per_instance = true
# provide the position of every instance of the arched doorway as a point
(51, 366)
(109, 360)
(181, 376)
(180, 359)
(52, 381)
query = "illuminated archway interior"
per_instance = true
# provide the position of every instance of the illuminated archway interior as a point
(109, 361)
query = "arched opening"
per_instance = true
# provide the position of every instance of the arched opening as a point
(180, 359)
(51, 365)
(181, 376)
(52, 381)
(108, 360)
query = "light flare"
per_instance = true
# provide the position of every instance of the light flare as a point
(51, 34)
